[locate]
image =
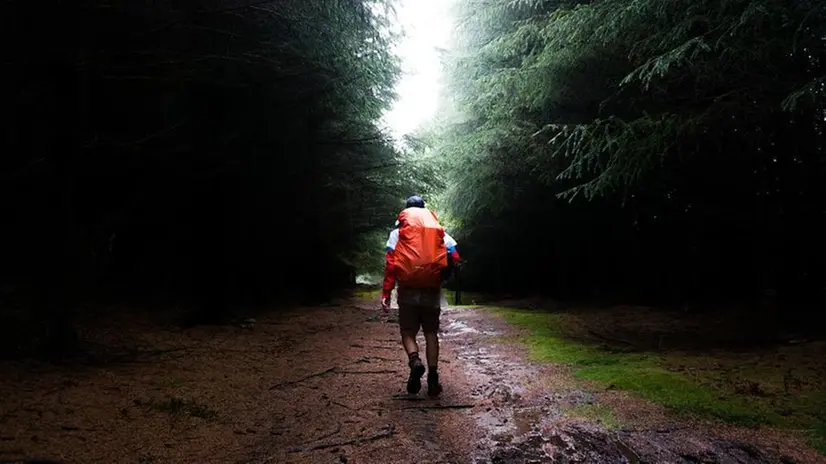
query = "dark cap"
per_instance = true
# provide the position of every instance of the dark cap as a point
(415, 202)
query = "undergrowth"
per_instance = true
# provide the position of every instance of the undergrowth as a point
(819, 436)
(720, 387)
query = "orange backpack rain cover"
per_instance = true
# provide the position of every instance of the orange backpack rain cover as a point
(420, 254)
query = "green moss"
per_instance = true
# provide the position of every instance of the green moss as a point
(674, 391)
(818, 437)
(645, 374)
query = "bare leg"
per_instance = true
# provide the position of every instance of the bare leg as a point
(409, 342)
(433, 385)
(432, 340)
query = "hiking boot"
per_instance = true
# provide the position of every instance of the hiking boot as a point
(433, 385)
(414, 382)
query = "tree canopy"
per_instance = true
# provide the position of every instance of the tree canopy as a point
(664, 147)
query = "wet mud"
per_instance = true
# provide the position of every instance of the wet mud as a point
(523, 420)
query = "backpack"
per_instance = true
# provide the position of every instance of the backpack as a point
(420, 254)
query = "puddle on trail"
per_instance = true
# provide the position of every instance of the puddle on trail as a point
(527, 420)
(509, 420)
(457, 328)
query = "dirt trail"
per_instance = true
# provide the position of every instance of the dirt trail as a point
(317, 385)
(496, 407)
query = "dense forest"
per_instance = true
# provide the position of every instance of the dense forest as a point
(638, 149)
(204, 152)
(222, 151)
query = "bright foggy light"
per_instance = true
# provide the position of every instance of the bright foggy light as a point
(427, 27)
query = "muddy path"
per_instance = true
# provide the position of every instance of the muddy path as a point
(320, 385)
(496, 407)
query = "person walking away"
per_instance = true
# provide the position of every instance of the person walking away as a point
(417, 256)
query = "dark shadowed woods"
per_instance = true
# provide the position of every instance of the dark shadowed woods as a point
(207, 152)
(191, 163)
(688, 137)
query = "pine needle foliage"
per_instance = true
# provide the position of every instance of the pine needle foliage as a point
(620, 100)
(201, 146)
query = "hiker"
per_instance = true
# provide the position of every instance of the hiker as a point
(419, 252)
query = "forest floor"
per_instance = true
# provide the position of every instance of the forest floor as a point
(523, 384)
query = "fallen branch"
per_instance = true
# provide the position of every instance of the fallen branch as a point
(366, 359)
(440, 406)
(291, 382)
(328, 435)
(375, 347)
(342, 405)
(407, 398)
(367, 372)
(331, 370)
(385, 433)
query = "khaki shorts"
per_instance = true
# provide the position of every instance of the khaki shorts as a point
(419, 308)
